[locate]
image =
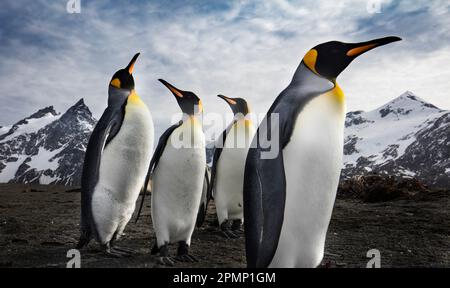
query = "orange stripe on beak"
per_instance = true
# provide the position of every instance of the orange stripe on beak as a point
(175, 91)
(131, 65)
(231, 101)
(359, 50)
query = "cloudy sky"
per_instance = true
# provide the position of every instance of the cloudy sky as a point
(244, 48)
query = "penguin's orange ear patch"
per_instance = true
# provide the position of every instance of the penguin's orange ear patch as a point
(115, 82)
(310, 60)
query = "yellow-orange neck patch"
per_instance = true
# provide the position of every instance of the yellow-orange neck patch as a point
(200, 106)
(135, 99)
(338, 94)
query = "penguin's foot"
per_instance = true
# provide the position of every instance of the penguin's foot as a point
(166, 261)
(114, 252)
(237, 226)
(226, 230)
(164, 258)
(117, 254)
(183, 253)
(125, 250)
(186, 258)
(229, 234)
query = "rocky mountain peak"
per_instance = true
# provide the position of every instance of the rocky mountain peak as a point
(407, 136)
(49, 149)
(405, 104)
(42, 112)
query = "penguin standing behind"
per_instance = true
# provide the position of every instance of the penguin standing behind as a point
(115, 165)
(289, 195)
(177, 170)
(206, 196)
(227, 176)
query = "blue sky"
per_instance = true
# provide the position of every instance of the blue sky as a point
(246, 49)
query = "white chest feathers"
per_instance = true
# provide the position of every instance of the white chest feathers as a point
(228, 190)
(123, 167)
(312, 163)
(177, 183)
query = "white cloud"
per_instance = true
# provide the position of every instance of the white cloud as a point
(249, 50)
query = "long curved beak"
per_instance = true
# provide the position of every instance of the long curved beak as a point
(177, 92)
(356, 49)
(229, 100)
(130, 66)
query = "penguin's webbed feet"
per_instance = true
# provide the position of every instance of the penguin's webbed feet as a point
(229, 234)
(236, 227)
(183, 253)
(125, 250)
(116, 252)
(186, 258)
(163, 258)
(166, 261)
(227, 230)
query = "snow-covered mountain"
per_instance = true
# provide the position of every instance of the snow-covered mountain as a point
(406, 136)
(46, 147)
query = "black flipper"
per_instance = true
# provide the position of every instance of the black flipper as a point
(155, 159)
(203, 209)
(264, 199)
(106, 129)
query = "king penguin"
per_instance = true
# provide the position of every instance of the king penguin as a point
(289, 195)
(177, 171)
(227, 176)
(115, 165)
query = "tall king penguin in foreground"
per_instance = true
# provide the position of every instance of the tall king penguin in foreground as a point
(115, 165)
(289, 194)
(177, 170)
(227, 174)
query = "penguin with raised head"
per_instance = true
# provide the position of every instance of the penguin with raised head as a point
(227, 173)
(115, 164)
(177, 171)
(289, 193)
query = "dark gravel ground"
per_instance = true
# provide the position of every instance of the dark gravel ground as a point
(39, 224)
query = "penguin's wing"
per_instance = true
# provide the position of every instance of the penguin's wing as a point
(217, 151)
(105, 130)
(264, 199)
(203, 209)
(155, 159)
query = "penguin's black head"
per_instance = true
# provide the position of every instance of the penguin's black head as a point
(238, 105)
(123, 79)
(331, 58)
(189, 103)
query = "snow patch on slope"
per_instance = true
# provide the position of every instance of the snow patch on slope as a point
(44, 159)
(10, 170)
(31, 126)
